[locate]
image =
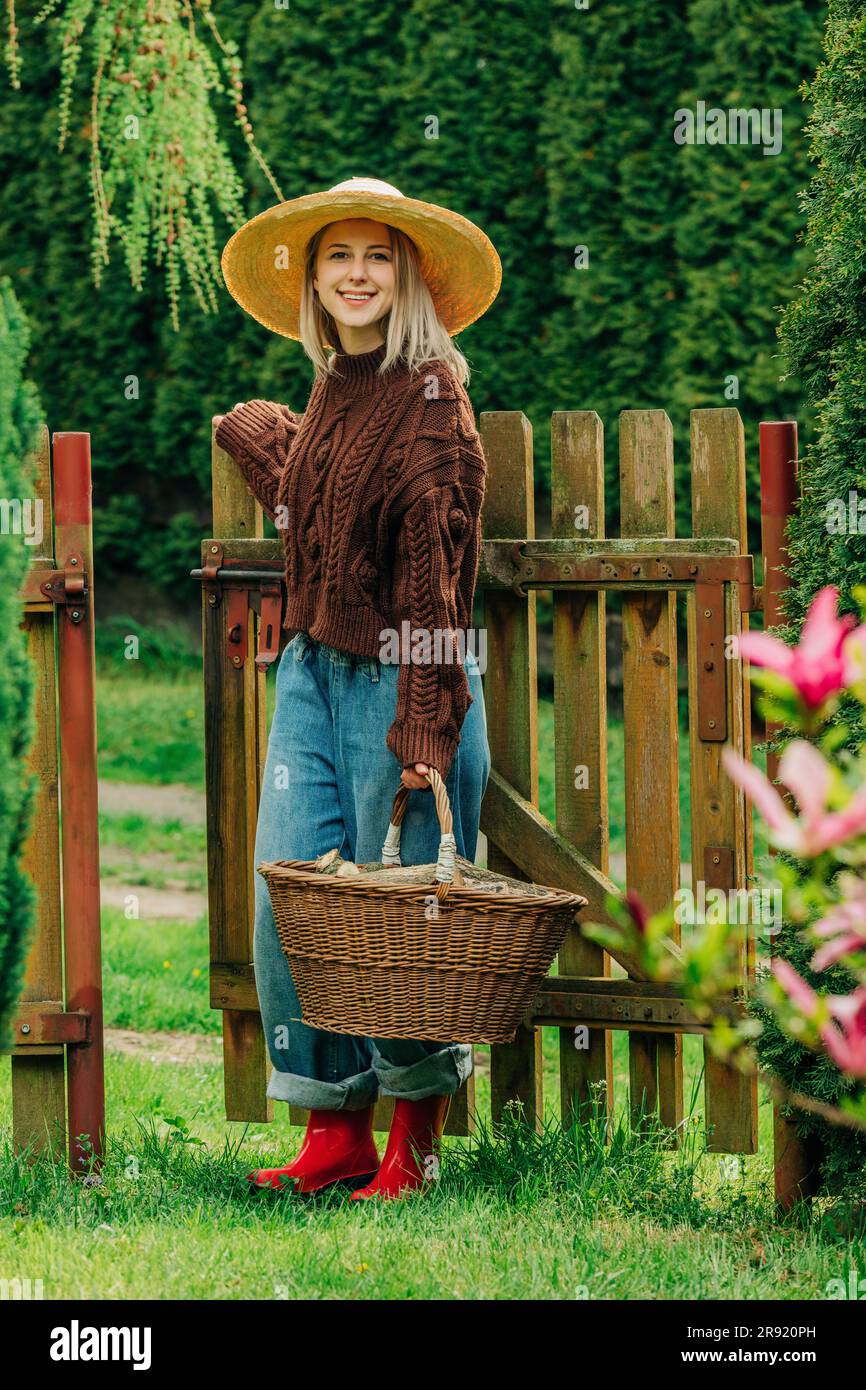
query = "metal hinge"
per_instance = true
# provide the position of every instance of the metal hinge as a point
(68, 586)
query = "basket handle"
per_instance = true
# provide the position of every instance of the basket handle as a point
(447, 871)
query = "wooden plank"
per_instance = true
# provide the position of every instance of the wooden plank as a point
(233, 779)
(580, 727)
(651, 734)
(511, 699)
(547, 858)
(719, 812)
(616, 1003)
(38, 1081)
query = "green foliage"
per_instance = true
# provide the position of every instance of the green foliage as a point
(554, 128)
(19, 423)
(841, 1151)
(615, 187)
(735, 238)
(156, 153)
(823, 333)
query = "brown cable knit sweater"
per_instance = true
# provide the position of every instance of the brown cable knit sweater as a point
(377, 492)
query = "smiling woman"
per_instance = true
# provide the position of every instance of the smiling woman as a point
(354, 279)
(377, 491)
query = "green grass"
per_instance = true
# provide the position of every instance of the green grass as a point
(150, 729)
(560, 1215)
(141, 835)
(156, 979)
(181, 850)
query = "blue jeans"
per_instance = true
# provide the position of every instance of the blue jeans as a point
(330, 781)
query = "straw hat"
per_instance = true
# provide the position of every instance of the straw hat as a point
(264, 262)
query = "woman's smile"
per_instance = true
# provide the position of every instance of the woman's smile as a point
(357, 296)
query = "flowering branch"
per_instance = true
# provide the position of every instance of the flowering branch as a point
(824, 893)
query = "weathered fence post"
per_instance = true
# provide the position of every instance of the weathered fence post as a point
(511, 701)
(721, 843)
(234, 736)
(580, 726)
(38, 1069)
(651, 732)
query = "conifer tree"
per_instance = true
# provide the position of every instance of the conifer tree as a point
(823, 332)
(736, 235)
(614, 188)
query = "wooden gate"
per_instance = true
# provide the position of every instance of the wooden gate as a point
(710, 572)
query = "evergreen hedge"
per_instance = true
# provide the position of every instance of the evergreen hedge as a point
(19, 423)
(555, 128)
(823, 334)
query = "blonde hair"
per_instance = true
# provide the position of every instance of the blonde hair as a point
(413, 332)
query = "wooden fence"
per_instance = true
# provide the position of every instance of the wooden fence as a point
(710, 572)
(57, 1051)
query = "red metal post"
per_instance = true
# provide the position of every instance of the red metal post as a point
(778, 453)
(794, 1158)
(73, 550)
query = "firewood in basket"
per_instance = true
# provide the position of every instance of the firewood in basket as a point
(330, 862)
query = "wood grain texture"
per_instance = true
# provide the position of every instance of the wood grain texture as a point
(580, 726)
(719, 813)
(651, 733)
(233, 771)
(511, 698)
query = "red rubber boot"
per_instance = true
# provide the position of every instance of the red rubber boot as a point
(410, 1157)
(338, 1147)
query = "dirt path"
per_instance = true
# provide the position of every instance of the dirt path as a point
(170, 899)
(189, 1049)
(157, 803)
(184, 803)
(192, 1049)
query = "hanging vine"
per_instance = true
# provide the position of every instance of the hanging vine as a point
(156, 154)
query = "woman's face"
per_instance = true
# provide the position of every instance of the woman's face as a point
(354, 277)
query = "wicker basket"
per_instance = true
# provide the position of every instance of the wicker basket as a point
(444, 952)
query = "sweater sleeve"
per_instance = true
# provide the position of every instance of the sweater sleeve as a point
(437, 534)
(259, 436)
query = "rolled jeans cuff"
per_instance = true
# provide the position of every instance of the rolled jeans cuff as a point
(355, 1093)
(440, 1073)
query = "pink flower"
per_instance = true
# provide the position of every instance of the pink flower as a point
(845, 1044)
(809, 776)
(818, 666)
(845, 922)
(800, 994)
(637, 910)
